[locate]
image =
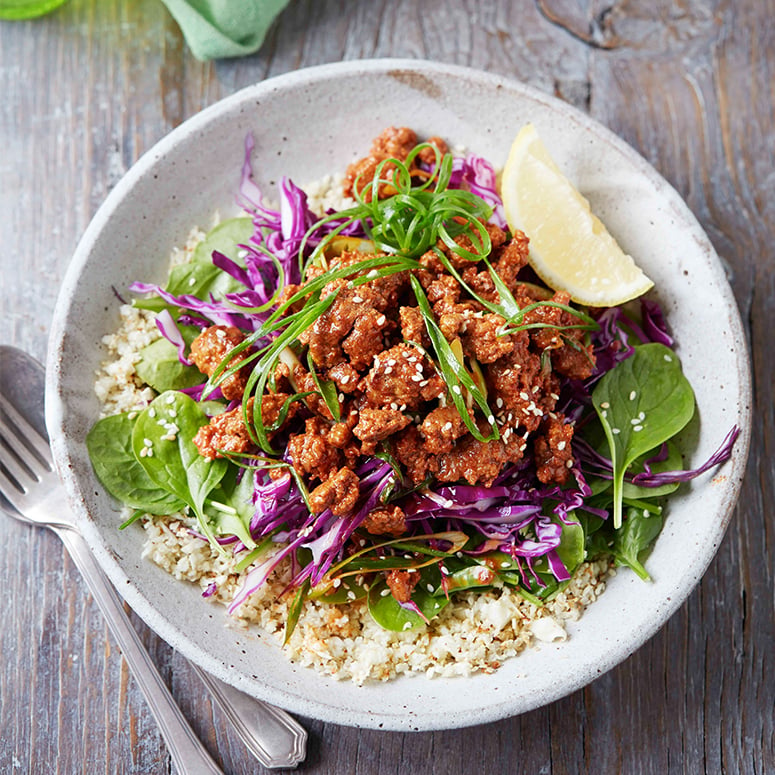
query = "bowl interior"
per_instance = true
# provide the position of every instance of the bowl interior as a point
(308, 124)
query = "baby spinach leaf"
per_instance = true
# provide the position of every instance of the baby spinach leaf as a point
(642, 402)
(200, 277)
(165, 430)
(225, 238)
(230, 506)
(572, 542)
(636, 535)
(160, 367)
(110, 448)
(673, 462)
(389, 615)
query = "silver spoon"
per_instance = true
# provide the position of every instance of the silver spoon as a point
(28, 483)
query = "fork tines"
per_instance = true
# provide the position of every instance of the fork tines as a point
(25, 455)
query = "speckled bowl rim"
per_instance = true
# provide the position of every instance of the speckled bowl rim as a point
(326, 708)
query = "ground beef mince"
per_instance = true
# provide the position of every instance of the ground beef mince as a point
(338, 493)
(372, 348)
(393, 143)
(225, 432)
(210, 348)
(389, 520)
(401, 584)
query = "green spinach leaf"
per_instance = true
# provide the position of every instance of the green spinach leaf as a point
(165, 430)
(110, 448)
(635, 536)
(389, 615)
(160, 367)
(642, 402)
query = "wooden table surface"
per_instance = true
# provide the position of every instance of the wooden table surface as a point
(690, 84)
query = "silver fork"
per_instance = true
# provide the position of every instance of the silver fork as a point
(28, 482)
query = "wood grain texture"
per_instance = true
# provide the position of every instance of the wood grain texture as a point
(690, 84)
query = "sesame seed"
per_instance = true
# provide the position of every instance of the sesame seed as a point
(554, 396)
(638, 428)
(337, 583)
(524, 396)
(569, 464)
(416, 377)
(407, 626)
(173, 413)
(509, 417)
(561, 446)
(143, 451)
(402, 407)
(350, 595)
(535, 388)
(499, 403)
(604, 413)
(345, 379)
(341, 397)
(384, 593)
(668, 358)
(447, 426)
(372, 274)
(506, 434)
(605, 405)
(147, 442)
(456, 389)
(357, 300)
(615, 431)
(389, 370)
(491, 420)
(192, 281)
(391, 361)
(423, 383)
(632, 395)
(429, 587)
(150, 452)
(636, 421)
(152, 412)
(394, 405)
(381, 320)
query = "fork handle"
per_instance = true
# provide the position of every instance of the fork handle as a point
(186, 750)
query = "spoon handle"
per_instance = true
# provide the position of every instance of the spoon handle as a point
(187, 752)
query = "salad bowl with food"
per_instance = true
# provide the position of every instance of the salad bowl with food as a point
(363, 415)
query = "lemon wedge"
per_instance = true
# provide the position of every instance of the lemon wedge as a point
(570, 249)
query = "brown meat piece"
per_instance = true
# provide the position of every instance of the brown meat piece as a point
(305, 383)
(210, 348)
(477, 462)
(553, 453)
(427, 155)
(365, 339)
(441, 429)
(377, 424)
(413, 327)
(483, 340)
(325, 336)
(225, 432)
(311, 453)
(393, 143)
(338, 493)
(402, 583)
(511, 259)
(386, 520)
(516, 386)
(410, 451)
(344, 376)
(401, 378)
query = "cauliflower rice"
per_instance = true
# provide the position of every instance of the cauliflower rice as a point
(476, 631)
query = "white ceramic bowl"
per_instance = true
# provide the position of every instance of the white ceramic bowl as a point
(307, 124)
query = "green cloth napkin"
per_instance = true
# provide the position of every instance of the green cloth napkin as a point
(215, 29)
